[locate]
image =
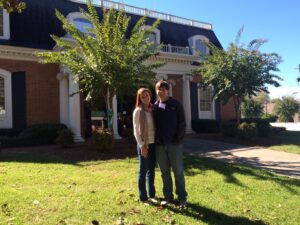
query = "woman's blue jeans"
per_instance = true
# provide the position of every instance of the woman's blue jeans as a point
(146, 173)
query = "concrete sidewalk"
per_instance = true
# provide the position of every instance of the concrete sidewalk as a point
(282, 163)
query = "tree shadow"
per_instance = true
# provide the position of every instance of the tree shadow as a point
(211, 216)
(197, 165)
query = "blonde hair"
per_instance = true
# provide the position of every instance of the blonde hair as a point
(138, 96)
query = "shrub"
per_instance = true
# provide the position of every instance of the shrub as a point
(269, 117)
(65, 138)
(102, 140)
(41, 134)
(205, 126)
(251, 108)
(246, 130)
(229, 129)
(128, 134)
(262, 126)
(10, 132)
(16, 141)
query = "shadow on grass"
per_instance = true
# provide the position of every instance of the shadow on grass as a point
(198, 165)
(211, 216)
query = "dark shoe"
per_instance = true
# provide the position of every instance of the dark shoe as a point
(183, 203)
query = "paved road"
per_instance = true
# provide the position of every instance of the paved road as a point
(282, 163)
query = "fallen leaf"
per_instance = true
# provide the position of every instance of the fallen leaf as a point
(36, 202)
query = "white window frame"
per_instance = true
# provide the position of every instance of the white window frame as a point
(6, 26)
(206, 114)
(6, 120)
(156, 31)
(192, 42)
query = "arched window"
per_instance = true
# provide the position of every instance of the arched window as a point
(154, 36)
(4, 24)
(197, 44)
(82, 23)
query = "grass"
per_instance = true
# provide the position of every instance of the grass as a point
(289, 141)
(43, 188)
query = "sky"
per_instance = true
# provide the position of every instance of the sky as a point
(278, 21)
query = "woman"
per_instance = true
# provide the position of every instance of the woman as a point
(143, 126)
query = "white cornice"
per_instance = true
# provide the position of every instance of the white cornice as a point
(18, 53)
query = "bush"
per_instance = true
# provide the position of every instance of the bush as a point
(269, 117)
(205, 126)
(128, 134)
(102, 140)
(65, 138)
(41, 134)
(263, 126)
(229, 129)
(10, 132)
(17, 141)
(246, 130)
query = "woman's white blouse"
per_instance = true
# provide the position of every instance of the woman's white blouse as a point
(137, 127)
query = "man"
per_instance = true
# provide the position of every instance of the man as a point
(170, 126)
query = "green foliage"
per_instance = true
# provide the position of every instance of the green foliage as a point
(251, 108)
(205, 126)
(128, 134)
(269, 117)
(102, 140)
(261, 97)
(10, 131)
(65, 138)
(229, 129)
(105, 61)
(40, 134)
(246, 130)
(12, 5)
(239, 71)
(286, 108)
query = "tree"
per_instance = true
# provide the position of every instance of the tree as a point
(286, 108)
(251, 108)
(239, 71)
(12, 5)
(104, 60)
(262, 97)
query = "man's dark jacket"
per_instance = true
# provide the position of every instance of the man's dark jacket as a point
(169, 122)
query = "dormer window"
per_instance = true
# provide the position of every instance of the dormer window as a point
(197, 44)
(82, 24)
(4, 25)
(80, 21)
(153, 36)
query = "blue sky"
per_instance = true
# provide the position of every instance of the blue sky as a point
(278, 21)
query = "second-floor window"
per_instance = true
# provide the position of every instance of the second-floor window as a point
(197, 44)
(200, 46)
(82, 24)
(4, 24)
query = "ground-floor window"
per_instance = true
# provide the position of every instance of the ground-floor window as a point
(5, 99)
(2, 97)
(206, 103)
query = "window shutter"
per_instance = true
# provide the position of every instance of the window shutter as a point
(18, 83)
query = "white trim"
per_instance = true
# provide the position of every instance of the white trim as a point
(156, 31)
(6, 26)
(192, 42)
(6, 120)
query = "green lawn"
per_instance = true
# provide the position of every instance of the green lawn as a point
(288, 141)
(50, 189)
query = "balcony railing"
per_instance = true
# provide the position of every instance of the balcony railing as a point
(149, 13)
(175, 49)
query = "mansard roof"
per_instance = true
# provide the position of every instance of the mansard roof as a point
(32, 28)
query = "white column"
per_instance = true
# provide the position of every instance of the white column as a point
(115, 118)
(74, 110)
(186, 100)
(63, 98)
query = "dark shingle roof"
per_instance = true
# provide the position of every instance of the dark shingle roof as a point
(32, 28)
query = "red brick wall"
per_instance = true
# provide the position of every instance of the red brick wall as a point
(177, 89)
(42, 89)
(227, 111)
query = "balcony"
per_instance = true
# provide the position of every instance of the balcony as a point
(149, 13)
(175, 49)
